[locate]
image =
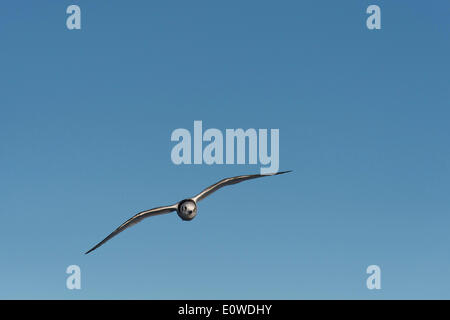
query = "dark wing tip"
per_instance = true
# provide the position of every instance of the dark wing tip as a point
(281, 172)
(97, 245)
(90, 250)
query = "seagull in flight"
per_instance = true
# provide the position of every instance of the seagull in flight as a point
(186, 209)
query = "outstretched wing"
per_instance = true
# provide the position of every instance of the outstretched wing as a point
(230, 181)
(135, 219)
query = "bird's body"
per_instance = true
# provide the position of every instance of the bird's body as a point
(186, 209)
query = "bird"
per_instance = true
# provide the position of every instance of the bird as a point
(186, 209)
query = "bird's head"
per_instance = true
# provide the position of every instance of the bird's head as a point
(187, 209)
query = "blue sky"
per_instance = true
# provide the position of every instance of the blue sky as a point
(86, 119)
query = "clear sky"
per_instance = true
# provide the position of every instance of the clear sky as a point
(85, 125)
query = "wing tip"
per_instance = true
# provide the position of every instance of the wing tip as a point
(280, 172)
(92, 249)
